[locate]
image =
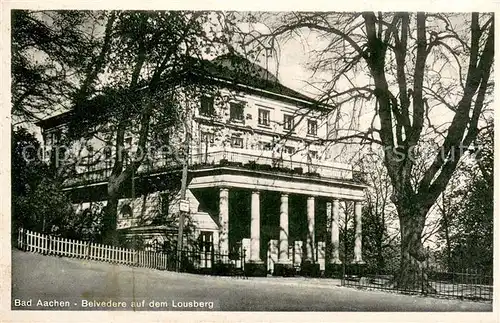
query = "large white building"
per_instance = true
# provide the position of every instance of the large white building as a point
(261, 176)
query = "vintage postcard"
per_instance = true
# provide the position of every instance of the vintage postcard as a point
(233, 163)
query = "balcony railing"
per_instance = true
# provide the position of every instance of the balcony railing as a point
(270, 163)
(254, 160)
(88, 177)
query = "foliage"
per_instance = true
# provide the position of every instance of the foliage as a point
(119, 73)
(381, 244)
(85, 225)
(149, 59)
(468, 229)
(38, 201)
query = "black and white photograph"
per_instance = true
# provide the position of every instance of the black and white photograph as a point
(251, 161)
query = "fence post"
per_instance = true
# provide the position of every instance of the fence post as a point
(425, 274)
(50, 242)
(37, 250)
(34, 242)
(19, 232)
(39, 242)
(87, 250)
(46, 242)
(57, 246)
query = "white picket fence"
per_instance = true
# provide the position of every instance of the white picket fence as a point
(51, 245)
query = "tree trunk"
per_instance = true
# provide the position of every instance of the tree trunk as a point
(412, 273)
(409, 275)
(109, 232)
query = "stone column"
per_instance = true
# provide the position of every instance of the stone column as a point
(358, 259)
(283, 243)
(310, 256)
(255, 228)
(224, 220)
(334, 231)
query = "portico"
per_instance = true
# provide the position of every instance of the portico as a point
(315, 192)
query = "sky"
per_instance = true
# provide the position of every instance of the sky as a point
(289, 64)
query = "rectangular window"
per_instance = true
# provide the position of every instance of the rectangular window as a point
(108, 152)
(53, 138)
(108, 157)
(312, 127)
(287, 122)
(90, 158)
(206, 239)
(289, 150)
(164, 207)
(207, 106)
(237, 142)
(264, 117)
(236, 111)
(266, 145)
(313, 154)
(207, 138)
(90, 152)
(126, 150)
(57, 137)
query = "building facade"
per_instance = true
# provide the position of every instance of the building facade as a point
(262, 177)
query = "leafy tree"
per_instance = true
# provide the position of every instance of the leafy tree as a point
(404, 67)
(27, 173)
(38, 201)
(467, 212)
(141, 84)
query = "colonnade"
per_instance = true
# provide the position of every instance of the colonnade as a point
(333, 214)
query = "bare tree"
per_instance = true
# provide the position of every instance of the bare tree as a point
(51, 52)
(425, 78)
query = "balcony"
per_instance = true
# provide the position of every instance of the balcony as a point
(267, 161)
(88, 177)
(231, 157)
